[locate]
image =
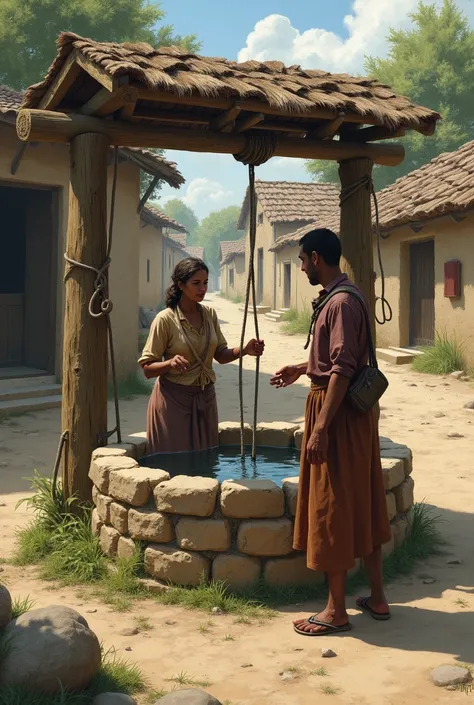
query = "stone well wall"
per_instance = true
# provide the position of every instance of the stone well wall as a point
(235, 531)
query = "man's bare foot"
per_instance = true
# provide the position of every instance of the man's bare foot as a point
(328, 616)
(378, 609)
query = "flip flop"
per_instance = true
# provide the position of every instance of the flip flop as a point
(363, 603)
(328, 628)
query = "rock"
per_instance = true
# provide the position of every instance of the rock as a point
(139, 443)
(276, 434)
(247, 665)
(399, 452)
(93, 611)
(189, 696)
(451, 688)
(170, 623)
(217, 610)
(400, 529)
(291, 571)
(52, 649)
(404, 494)
(195, 496)
(119, 517)
(203, 534)
(129, 631)
(389, 547)
(391, 505)
(429, 581)
(450, 675)
(266, 537)
(469, 405)
(290, 488)
(393, 472)
(102, 504)
(5, 607)
(96, 522)
(252, 499)
(455, 436)
(455, 561)
(149, 525)
(134, 486)
(236, 571)
(114, 450)
(125, 548)
(229, 433)
(439, 415)
(153, 586)
(114, 698)
(102, 467)
(128, 648)
(298, 437)
(328, 653)
(287, 676)
(459, 374)
(175, 566)
(109, 539)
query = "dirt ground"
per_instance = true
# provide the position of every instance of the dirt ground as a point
(377, 663)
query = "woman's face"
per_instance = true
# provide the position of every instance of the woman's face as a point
(196, 287)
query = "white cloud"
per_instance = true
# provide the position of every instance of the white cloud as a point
(203, 195)
(367, 26)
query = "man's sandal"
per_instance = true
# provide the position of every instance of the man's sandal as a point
(363, 603)
(328, 629)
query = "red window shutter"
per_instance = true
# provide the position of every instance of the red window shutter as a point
(452, 279)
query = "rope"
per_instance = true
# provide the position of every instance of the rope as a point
(367, 182)
(101, 298)
(62, 442)
(260, 147)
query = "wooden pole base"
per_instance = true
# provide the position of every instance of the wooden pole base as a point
(84, 403)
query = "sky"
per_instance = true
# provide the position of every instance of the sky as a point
(334, 35)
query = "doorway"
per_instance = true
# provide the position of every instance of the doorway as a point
(28, 278)
(422, 292)
(259, 276)
(287, 285)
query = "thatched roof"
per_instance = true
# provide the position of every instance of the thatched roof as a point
(150, 162)
(158, 219)
(444, 186)
(195, 251)
(229, 249)
(293, 202)
(200, 82)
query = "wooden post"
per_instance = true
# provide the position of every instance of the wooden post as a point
(356, 230)
(84, 403)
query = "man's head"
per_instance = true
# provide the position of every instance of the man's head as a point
(320, 254)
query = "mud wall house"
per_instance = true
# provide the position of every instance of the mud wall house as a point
(282, 208)
(232, 268)
(34, 185)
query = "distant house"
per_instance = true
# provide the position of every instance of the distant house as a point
(283, 207)
(232, 266)
(34, 191)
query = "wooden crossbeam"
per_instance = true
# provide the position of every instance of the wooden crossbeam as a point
(16, 161)
(225, 119)
(171, 116)
(374, 134)
(328, 130)
(97, 73)
(62, 83)
(105, 102)
(147, 194)
(248, 122)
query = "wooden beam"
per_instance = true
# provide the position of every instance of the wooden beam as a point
(328, 130)
(249, 121)
(417, 227)
(97, 73)
(84, 390)
(16, 161)
(147, 194)
(44, 126)
(106, 103)
(374, 134)
(62, 83)
(218, 123)
(458, 217)
(171, 116)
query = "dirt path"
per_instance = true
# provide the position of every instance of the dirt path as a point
(377, 663)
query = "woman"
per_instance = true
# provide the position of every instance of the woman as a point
(184, 339)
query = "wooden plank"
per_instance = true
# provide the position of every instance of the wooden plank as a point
(105, 102)
(169, 116)
(328, 130)
(218, 123)
(374, 134)
(97, 73)
(16, 161)
(61, 84)
(248, 122)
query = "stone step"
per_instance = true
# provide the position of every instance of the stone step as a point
(274, 316)
(21, 406)
(260, 309)
(394, 357)
(9, 383)
(408, 351)
(33, 392)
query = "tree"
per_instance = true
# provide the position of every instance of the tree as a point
(147, 179)
(217, 227)
(29, 29)
(431, 63)
(179, 211)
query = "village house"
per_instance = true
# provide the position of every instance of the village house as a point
(282, 208)
(427, 245)
(34, 185)
(232, 268)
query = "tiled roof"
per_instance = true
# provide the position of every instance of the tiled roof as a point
(230, 249)
(179, 238)
(158, 219)
(195, 251)
(293, 202)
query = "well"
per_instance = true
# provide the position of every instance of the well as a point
(236, 531)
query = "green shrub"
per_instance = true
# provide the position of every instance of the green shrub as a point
(296, 322)
(441, 358)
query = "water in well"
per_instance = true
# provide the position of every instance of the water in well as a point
(225, 463)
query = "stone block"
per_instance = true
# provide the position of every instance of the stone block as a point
(399, 452)
(153, 586)
(238, 572)
(404, 494)
(135, 486)
(391, 505)
(276, 434)
(291, 571)
(113, 450)
(109, 539)
(290, 488)
(195, 496)
(229, 433)
(176, 566)
(148, 525)
(400, 529)
(388, 548)
(139, 443)
(265, 537)
(393, 472)
(119, 517)
(102, 467)
(298, 437)
(252, 499)
(95, 493)
(96, 523)
(203, 534)
(102, 504)
(125, 547)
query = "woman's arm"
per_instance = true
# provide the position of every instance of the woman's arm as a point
(226, 355)
(156, 369)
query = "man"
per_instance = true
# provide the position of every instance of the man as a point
(341, 513)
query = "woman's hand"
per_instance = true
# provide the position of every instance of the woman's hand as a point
(286, 376)
(179, 363)
(317, 446)
(254, 348)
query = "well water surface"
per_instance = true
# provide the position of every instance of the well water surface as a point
(226, 464)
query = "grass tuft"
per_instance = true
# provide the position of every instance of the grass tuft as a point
(185, 679)
(21, 605)
(134, 385)
(296, 322)
(446, 355)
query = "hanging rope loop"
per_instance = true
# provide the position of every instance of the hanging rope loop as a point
(259, 149)
(346, 193)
